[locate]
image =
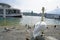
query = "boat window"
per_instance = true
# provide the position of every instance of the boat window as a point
(1, 11)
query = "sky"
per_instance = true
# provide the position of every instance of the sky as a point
(33, 5)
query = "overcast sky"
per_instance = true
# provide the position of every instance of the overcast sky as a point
(33, 5)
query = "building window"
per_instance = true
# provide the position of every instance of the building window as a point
(18, 11)
(1, 11)
(12, 11)
(9, 11)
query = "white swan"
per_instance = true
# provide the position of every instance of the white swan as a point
(38, 28)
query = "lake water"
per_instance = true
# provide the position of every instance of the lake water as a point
(31, 20)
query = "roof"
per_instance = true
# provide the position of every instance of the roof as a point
(4, 4)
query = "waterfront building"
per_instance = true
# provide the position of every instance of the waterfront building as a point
(7, 11)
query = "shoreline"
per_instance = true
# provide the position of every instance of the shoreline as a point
(21, 32)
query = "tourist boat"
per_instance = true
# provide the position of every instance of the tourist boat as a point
(7, 11)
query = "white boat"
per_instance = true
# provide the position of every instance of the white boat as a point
(7, 11)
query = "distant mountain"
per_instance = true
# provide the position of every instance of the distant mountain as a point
(55, 11)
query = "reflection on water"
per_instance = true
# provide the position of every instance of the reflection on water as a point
(26, 20)
(34, 19)
(9, 21)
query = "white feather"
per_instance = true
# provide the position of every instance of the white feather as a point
(38, 28)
